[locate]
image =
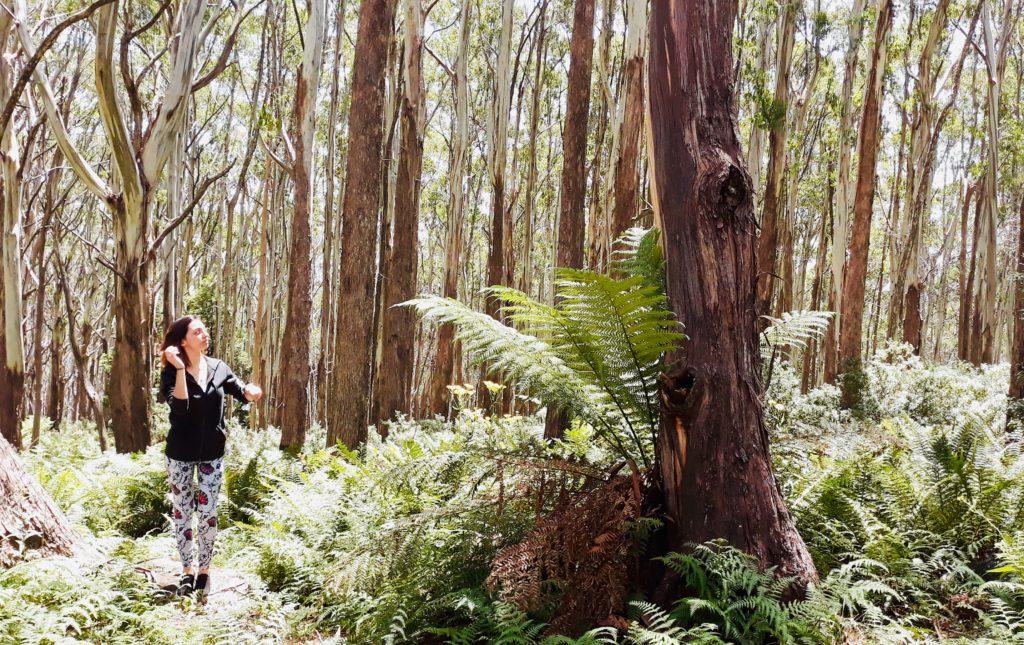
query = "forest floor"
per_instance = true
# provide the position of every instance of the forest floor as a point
(913, 511)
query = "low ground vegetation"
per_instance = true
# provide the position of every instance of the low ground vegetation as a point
(914, 513)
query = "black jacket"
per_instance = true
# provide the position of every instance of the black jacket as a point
(197, 423)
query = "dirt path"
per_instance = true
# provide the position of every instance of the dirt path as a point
(228, 586)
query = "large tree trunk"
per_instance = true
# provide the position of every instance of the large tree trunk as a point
(354, 352)
(444, 368)
(399, 324)
(29, 518)
(850, 327)
(129, 393)
(294, 383)
(768, 241)
(713, 450)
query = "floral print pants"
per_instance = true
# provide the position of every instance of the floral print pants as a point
(186, 497)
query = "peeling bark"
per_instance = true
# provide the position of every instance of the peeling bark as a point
(713, 452)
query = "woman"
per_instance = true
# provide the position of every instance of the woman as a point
(193, 384)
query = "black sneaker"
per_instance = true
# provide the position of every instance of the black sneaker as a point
(202, 585)
(186, 585)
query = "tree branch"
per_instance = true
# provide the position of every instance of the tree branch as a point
(35, 58)
(92, 181)
(187, 211)
(229, 46)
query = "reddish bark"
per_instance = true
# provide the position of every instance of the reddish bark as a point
(850, 326)
(294, 379)
(129, 392)
(713, 454)
(569, 252)
(29, 518)
(627, 173)
(399, 324)
(347, 417)
(574, 138)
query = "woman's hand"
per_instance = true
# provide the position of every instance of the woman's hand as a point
(253, 392)
(173, 356)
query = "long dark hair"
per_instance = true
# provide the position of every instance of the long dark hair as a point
(175, 336)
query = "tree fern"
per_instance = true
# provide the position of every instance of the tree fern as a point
(596, 353)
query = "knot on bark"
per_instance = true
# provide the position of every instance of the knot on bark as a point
(734, 188)
(725, 191)
(678, 382)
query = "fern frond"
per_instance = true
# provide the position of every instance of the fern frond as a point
(796, 328)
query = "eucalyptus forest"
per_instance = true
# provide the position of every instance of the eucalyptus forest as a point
(512, 321)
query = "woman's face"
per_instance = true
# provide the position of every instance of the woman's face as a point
(196, 339)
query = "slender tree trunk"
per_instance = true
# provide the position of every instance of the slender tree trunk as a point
(496, 163)
(399, 325)
(841, 219)
(55, 393)
(755, 148)
(987, 285)
(324, 363)
(923, 144)
(88, 397)
(713, 453)
(295, 341)
(965, 340)
(850, 329)
(809, 374)
(1016, 389)
(768, 241)
(12, 343)
(569, 252)
(360, 215)
(630, 120)
(444, 370)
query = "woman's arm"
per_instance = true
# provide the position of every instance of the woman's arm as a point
(237, 388)
(172, 384)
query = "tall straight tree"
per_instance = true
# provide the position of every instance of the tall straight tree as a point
(850, 327)
(772, 213)
(926, 125)
(399, 284)
(294, 380)
(713, 454)
(986, 286)
(12, 343)
(330, 224)
(841, 213)
(626, 149)
(354, 351)
(1016, 390)
(497, 143)
(569, 252)
(574, 137)
(444, 367)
